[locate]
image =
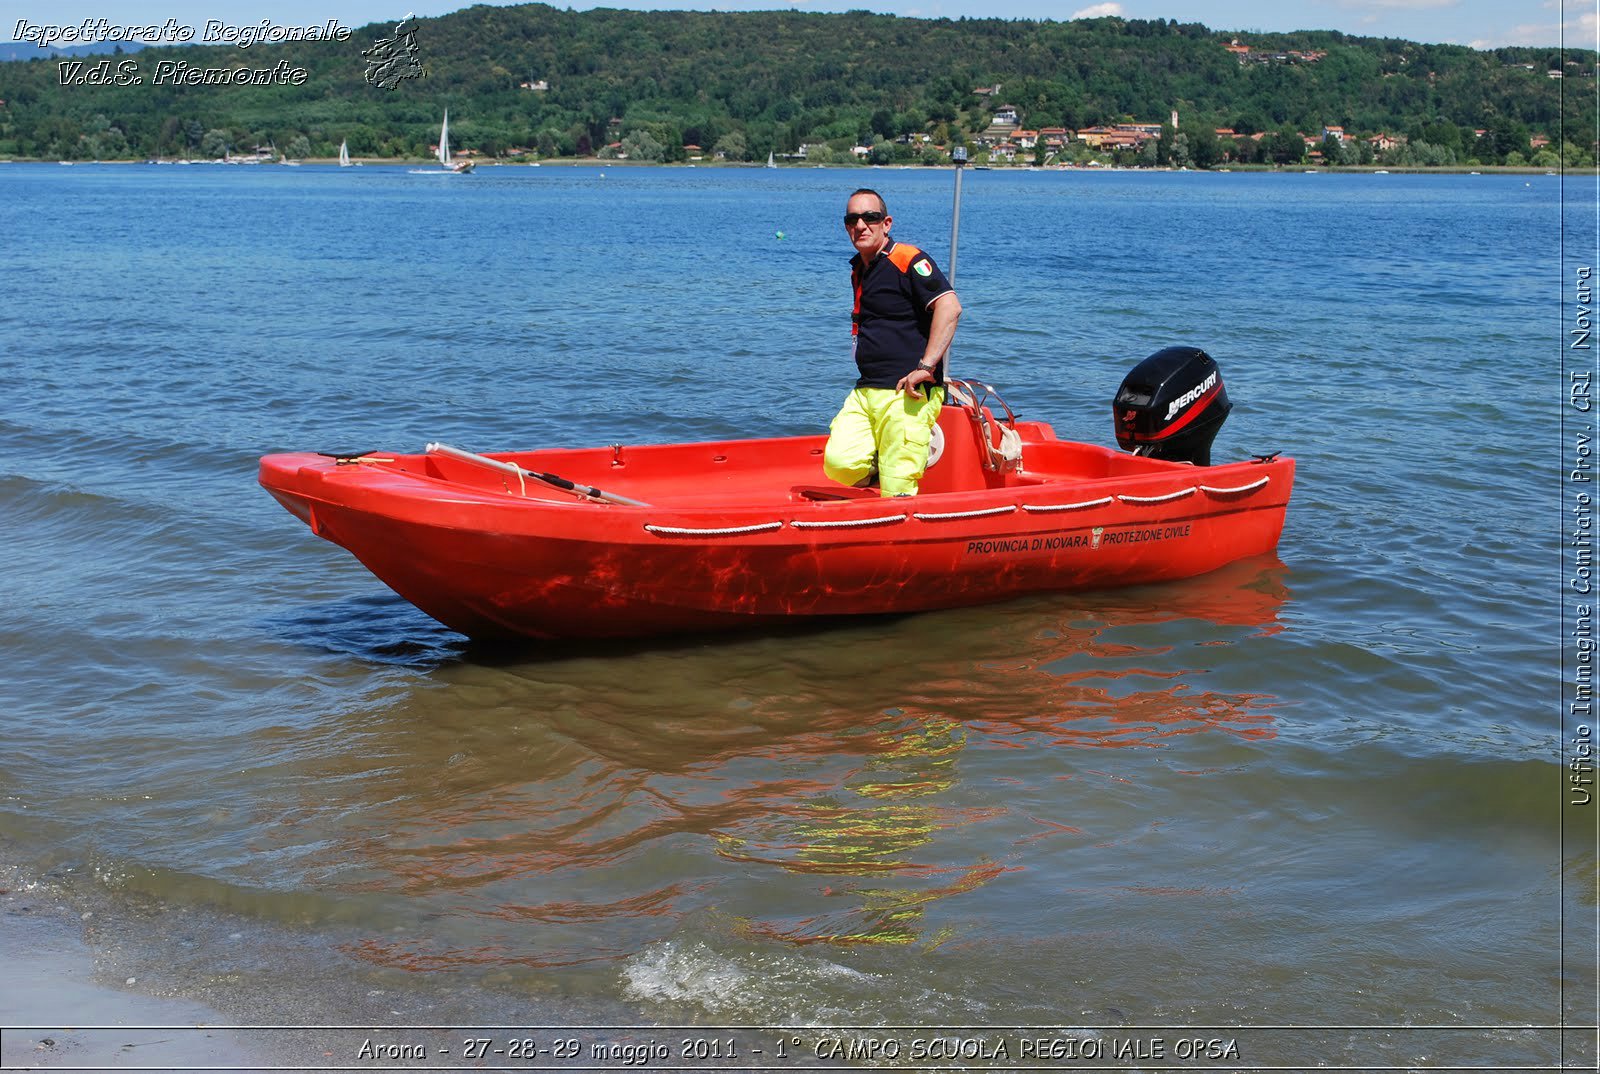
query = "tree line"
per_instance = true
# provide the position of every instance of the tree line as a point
(534, 81)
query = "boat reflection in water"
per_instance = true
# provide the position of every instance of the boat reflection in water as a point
(807, 787)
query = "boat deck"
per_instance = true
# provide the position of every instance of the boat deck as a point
(773, 471)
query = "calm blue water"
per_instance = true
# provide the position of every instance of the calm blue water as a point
(1322, 789)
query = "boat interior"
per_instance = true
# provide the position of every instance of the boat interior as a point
(979, 452)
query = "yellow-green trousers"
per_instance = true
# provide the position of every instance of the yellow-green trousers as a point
(885, 430)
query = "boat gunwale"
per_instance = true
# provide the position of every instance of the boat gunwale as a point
(413, 495)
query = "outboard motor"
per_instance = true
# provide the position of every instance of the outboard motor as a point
(1171, 406)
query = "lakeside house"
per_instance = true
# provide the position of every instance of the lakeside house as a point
(1123, 135)
(1245, 54)
(1112, 137)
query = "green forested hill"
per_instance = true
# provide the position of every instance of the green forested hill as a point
(750, 83)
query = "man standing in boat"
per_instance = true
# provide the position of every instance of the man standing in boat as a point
(904, 319)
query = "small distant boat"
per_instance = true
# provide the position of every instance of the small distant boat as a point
(770, 162)
(447, 165)
(444, 148)
(459, 167)
(344, 154)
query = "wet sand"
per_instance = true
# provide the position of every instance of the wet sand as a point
(55, 1012)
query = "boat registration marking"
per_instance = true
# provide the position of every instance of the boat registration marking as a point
(1092, 539)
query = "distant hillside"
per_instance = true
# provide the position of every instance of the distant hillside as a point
(538, 80)
(21, 50)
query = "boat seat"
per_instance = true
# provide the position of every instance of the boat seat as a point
(960, 468)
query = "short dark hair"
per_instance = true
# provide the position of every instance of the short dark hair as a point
(868, 190)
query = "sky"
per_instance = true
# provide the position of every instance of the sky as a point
(1478, 23)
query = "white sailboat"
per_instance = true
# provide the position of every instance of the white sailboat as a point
(344, 153)
(770, 162)
(447, 165)
(460, 167)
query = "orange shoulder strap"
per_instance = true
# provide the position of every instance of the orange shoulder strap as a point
(903, 254)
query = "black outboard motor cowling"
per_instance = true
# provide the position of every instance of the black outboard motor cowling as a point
(1171, 406)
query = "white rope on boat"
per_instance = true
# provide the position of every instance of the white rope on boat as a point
(922, 516)
(723, 531)
(1101, 502)
(1241, 488)
(802, 524)
(1180, 494)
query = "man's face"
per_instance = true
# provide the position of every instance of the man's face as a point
(866, 234)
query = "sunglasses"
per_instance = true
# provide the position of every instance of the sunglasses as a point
(873, 217)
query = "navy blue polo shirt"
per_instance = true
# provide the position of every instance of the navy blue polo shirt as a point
(893, 312)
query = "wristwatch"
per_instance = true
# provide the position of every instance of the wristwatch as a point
(926, 368)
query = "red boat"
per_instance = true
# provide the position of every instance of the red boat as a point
(649, 540)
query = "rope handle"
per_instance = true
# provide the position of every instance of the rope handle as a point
(1180, 494)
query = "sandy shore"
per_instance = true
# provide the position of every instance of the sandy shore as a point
(54, 1012)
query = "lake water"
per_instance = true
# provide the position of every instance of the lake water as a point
(1315, 804)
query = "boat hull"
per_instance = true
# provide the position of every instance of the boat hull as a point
(737, 539)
